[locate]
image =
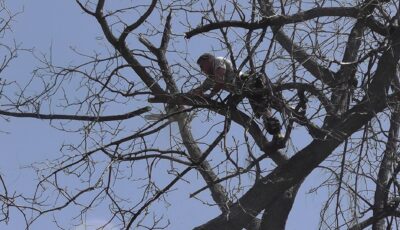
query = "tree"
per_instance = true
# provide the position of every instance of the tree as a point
(333, 68)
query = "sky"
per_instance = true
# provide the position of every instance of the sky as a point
(58, 26)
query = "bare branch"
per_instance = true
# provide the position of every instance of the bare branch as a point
(77, 117)
(139, 22)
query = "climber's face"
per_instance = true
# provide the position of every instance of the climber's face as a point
(206, 66)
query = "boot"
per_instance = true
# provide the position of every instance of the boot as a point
(272, 125)
(279, 141)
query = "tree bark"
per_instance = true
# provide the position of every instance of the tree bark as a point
(386, 170)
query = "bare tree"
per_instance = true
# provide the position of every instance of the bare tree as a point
(333, 81)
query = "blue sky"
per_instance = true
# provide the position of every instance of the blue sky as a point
(58, 26)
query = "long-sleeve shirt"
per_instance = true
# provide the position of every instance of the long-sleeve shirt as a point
(228, 79)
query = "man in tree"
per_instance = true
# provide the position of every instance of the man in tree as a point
(221, 76)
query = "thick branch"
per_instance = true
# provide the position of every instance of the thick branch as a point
(276, 216)
(166, 34)
(346, 75)
(279, 20)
